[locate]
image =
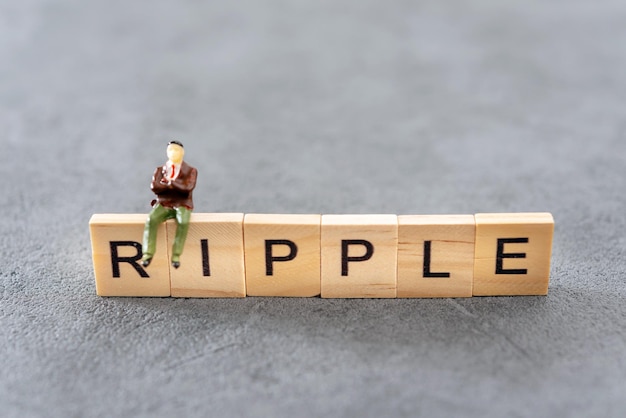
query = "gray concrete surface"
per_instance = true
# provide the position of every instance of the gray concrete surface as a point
(323, 107)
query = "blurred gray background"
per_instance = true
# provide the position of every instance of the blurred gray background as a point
(313, 107)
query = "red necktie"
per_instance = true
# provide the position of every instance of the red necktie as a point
(173, 171)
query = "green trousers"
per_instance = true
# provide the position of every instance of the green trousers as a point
(158, 215)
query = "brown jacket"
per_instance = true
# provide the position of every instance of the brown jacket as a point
(179, 193)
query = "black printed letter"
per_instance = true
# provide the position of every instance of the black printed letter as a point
(427, 273)
(269, 258)
(116, 260)
(501, 255)
(206, 269)
(345, 244)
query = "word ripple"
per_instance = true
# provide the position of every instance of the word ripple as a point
(335, 256)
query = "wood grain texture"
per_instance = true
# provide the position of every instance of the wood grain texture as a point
(284, 236)
(524, 266)
(372, 278)
(337, 256)
(212, 263)
(123, 229)
(451, 245)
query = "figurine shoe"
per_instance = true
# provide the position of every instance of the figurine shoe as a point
(145, 260)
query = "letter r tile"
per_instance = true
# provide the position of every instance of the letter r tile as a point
(116, 248)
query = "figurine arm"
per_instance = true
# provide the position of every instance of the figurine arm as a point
(157, 186)
(187, 184)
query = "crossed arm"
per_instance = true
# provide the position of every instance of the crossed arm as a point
(160, 184)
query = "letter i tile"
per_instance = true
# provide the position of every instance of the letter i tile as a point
(212, 263)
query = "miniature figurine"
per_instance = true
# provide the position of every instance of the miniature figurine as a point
(173, 184)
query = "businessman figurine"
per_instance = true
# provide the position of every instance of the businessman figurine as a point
(173, 184)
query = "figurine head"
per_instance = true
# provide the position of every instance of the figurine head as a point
(175, 152)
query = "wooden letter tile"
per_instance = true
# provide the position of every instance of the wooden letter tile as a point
(359, 255)
(435, 256)
(212, 262)
(282, 255)
(512, 253)
(116, 248)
